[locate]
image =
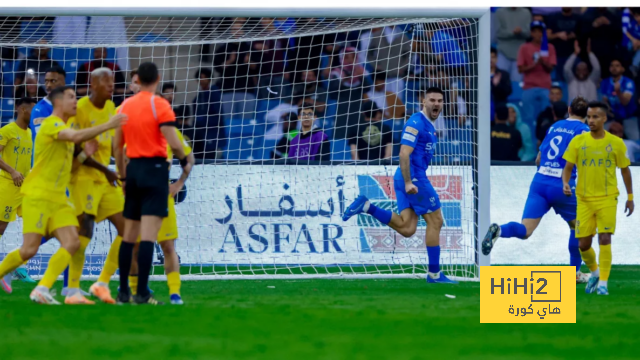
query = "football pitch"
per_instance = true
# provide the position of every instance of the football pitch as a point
(317, 319)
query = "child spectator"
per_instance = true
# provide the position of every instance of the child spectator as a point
(309, 144)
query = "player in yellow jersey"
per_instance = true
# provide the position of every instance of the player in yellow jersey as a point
(596, 155)
(45, 207)
(95, 193)
(15, 164)
(166, 236)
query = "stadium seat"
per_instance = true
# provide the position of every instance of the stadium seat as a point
(267, 148)
(6, 110)
(516, 94)
(245, 148)
(340, 150)
(264, 106)
(238, 105)
(245, 128)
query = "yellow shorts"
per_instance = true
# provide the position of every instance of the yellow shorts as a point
(99, 199)
(598, 214)
(44, 217)
(169, 228)
(10, 200)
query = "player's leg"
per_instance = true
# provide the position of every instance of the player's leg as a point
(150, 225)
(535, 208)
(131, 231)
(10, 205)
(606, 223)
(29, 248)
(585, 229)
(133, 273)
(5, 281)
(434, 222)
(172, 269)
(85, 234)
(575, 259)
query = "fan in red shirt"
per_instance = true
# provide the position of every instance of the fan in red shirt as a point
(146, 178)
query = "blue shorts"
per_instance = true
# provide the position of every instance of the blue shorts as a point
(543, 196)
(424, 202)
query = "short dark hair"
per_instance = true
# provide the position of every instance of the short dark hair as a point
(557, 88)
(559, 109)
(306, 106)
(502, 113)
(168, 85)
(434, 90)
(203, 71)
(494, 50)
(148, 73)
(24, 101)
(59, 91)
(57, 70)
(599, 105)
(618, 60)
(369, 109)
(579, 106)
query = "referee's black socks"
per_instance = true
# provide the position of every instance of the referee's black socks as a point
(124, 259)
(145, 260)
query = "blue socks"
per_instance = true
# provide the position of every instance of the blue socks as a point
(513, 229)
(574, 251)
(433, 252)
(384, 216)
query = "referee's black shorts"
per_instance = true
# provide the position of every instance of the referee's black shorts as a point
(147, 188)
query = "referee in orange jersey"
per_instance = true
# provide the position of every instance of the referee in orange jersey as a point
(146, 178)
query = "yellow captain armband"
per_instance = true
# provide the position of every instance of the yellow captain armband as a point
(629, 197)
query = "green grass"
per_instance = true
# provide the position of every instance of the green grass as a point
(318, 319)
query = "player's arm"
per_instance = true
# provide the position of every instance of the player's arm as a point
(15, 175)
(628, 184)
(118, 154)
(174, 142)
(538, 158)
(78, 136)
(405, 168)
(177, 186)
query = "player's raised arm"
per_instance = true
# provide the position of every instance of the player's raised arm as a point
(78, 136)
(405, 168)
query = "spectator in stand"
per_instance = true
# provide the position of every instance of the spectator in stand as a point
(388, 101)
(448, 51)
(308, 85)
(631, 39)
(512, 34)
(231, 61)
(38, 62)
(529, 150)
(603, 28)
(371, 139)
(506, 141)
(500, 82)
(536, 60)
(581, 81)
(99, 60)
(168, 93)
(557, 111)
(389, 52)
(305, 53)
(310, 144)
(562, 32)
(289, 131)
(347, 79)
(633, 148)
(209, 137)
(30, 88)
(618, 92)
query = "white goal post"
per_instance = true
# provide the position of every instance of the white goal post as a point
(234, 75)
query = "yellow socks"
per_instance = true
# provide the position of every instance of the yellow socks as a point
(111, 263)
(77, 264)
(589, 258)
(133, 284)
(605, 262)
(11, 262)
(58, 262)
(173, 280)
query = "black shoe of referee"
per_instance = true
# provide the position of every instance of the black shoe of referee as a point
(124, 298)
(148, 299)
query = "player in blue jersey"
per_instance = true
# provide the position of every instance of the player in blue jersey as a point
(546, 188)
(415, 194)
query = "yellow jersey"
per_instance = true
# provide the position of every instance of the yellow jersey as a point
(52, 163)
(185, 146)
(17, 149)
(88, 116)
(596, 161)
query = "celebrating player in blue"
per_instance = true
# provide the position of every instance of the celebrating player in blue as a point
(415, 194)
(546, 189)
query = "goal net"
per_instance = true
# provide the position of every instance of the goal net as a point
(258, 204)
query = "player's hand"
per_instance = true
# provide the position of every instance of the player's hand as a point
(117, 120)
(90, 147)
(17, 177)
(175, 188)
(629, 207)
(112, 178)
(566, 188)
(410, 188)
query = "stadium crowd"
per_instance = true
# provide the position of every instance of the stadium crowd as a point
(542, 58)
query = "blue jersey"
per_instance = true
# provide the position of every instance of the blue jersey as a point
(41, 111)
(420, 134)
(553, 147)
